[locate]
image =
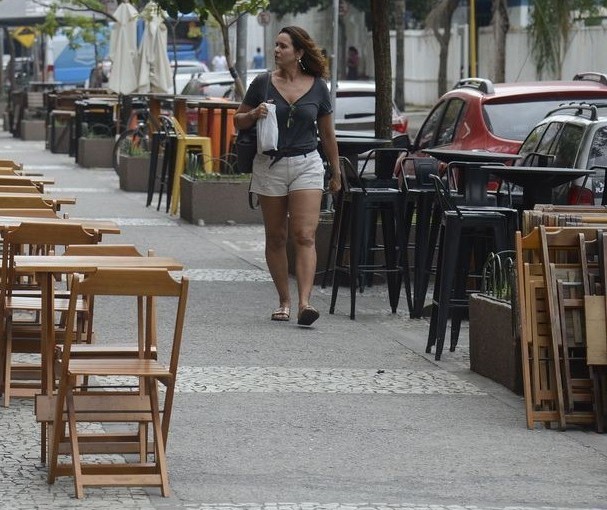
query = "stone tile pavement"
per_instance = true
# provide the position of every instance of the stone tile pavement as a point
(348, 415)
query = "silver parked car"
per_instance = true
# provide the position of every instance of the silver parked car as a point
(574, 135)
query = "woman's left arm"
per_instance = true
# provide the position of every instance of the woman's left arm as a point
(329, 145)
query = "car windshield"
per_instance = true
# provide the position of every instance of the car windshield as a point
(352, 107)
(514, 121)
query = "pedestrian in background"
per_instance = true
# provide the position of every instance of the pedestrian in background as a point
(259, 61)
(219, 63)
(97, 77)
(289, 181)
(352, 63)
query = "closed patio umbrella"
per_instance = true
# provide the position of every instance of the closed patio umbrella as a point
(123, 50)
(155, 73)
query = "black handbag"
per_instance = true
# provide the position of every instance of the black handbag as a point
(246, 148)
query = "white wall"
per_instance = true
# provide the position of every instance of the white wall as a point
(586, 52)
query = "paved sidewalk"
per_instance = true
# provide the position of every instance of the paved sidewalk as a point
(348, 415)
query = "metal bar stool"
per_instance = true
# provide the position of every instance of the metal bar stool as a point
(419, 202)
(356, 202)
(461, 229)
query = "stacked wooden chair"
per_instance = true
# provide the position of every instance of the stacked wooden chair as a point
(558, 272)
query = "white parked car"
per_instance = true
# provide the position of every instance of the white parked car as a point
(186, 70)
(216, 83)
(355, 109)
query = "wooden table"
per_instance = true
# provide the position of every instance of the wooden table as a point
(475, 179)
(20, 179)
(46, 266)
(58, 200)
(102, 226)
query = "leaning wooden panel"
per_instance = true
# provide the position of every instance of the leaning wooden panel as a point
(596, 336)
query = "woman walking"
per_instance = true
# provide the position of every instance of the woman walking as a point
(289, 181)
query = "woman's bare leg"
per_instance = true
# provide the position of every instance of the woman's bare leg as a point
(304, 213)
(274, 210)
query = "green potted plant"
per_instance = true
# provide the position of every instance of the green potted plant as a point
(95, 147)
(216, 197)
(134, 167)
(495, 350)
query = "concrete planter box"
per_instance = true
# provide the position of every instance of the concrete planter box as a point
(134, 172)
(95, 152)
(33, 129)
(216, 201)
(62, 139)
(495, 350)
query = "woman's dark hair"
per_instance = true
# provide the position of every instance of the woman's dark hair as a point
(312, 61)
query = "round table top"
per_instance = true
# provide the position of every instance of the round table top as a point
(471, 156)
(535, 175)
(360, 145)
(537, 170)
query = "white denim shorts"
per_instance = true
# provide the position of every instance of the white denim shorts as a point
(287, 174)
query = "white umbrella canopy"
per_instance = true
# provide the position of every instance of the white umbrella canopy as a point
(123, 50)
(155, 74)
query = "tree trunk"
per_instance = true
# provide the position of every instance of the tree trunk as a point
(439, 20)
(399, 84)
(501, 25)
(238, 87)
(383, 68)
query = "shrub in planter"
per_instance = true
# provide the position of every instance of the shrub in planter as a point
(495, 350)
(215, 198)
(95, 149)
(134, 168)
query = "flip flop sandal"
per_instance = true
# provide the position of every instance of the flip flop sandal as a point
(307, 316)
(281, 314)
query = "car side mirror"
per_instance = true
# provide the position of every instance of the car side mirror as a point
(402, 142)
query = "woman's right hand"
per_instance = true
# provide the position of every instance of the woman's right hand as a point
(260, 111)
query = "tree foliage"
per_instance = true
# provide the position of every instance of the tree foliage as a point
(80, 20)
(550, 27)
(224, 13)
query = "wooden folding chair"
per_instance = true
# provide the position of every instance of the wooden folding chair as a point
(137, 406)
(112, 250)
(6, 188)
(28, 213)
(18, 295)
(10, 164)
(21, 180)
(542, 261)
(28, 202)
(562, 258)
